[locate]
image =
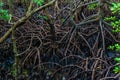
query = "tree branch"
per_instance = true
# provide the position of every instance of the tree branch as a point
(23, 19)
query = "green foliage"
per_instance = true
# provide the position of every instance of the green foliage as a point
(111, 18)
(92, 6)
(4, 13)
(39, 2)
(115, 8)
(115, 47)
(116, 69)
(117, 59)
(115, 23)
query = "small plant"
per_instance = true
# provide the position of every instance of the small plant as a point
(111, 18)
(115, 23)
(39, 2)
(115, 47)
(92, 6)
(116, 26)
(115, 8)
(4, 13)
(117, 68)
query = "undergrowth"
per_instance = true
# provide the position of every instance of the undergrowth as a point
(115, 23)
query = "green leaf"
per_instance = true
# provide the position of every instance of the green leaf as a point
(92, 6)
(117, 59)
(39, 2)
(111, 47)
(117, 69)
(5, 15)
(115, 8)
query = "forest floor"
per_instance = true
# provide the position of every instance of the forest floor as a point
(57, 44)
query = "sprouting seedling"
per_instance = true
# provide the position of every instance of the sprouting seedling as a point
(4, 14)
(115, 47)
(39, 2)
(117, 59)
(92, 6)
(116, 69)
(111, 18)
(115, 8)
